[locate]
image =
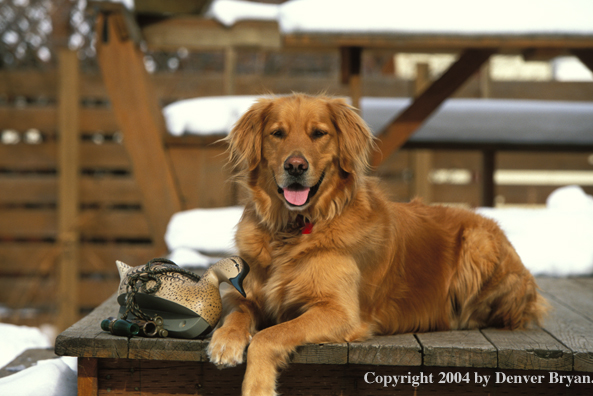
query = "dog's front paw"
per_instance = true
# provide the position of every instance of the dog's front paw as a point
(227, 346)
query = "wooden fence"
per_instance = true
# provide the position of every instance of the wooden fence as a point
(111, 222)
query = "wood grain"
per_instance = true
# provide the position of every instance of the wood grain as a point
(138, 113)
(86, 339)
(395, 350)
(574, 331)
(88, 381)
(168, 349)
(463, 348)
(27, 258)
(95, 223)
(321, 354)
(529, 350)
(576, 294)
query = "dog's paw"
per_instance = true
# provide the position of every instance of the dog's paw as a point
(227, 347)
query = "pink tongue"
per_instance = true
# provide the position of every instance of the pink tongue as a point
(296, 197)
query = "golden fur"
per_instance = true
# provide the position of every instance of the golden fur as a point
(369, 266)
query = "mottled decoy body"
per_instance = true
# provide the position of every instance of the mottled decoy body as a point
(190, 306)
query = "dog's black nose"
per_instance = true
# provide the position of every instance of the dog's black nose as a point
(296, 165)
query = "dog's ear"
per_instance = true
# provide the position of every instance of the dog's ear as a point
(245, 139)
(354, 137)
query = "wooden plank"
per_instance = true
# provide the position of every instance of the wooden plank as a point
(457, 159)
(168, 349)
(574, 331)
(187, 84)
(488, 169)
(422, 159)
(88, 381)
(45, 119)
(422, 166)
(40, 292)
(408, 121)
(529, 350)
(195, 7)
(575, 294)
(230, 68)
(543, 161)
(461, 348)
(43, 189)
(550, 90)
(458, 193)
(86, 339)
(203, 176)
(68, 188)
(321, 354)
(28, 189)
(138, 112)
(350, 70)
(120, 377)
(436, 43)
(27, 258)
(100, 258)
(24, 157)
(95, 223)
(201, 34)
(395, 350)
(529, 194)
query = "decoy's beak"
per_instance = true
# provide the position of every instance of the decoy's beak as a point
(237, 281)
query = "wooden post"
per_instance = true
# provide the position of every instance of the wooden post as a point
(88, 381)
(585, 55)
(488, 169)
(68, 199)
(485, 83)
(350, 64)
(408, 121)
(422, 159)
(139, 115)
(230, 65)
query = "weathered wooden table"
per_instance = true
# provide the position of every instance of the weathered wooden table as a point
(555, 359)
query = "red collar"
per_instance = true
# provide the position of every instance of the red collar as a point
(305, 226)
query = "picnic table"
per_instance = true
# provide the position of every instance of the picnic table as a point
(120, 32)
(540, 361)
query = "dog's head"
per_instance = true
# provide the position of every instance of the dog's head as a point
(302, 153)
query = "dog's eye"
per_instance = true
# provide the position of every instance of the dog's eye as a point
(317, 133)
(277, 133)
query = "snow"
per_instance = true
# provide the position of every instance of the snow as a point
(457, 120)
(16, 339)
(198, 237)
(554, 241)
(461, 17)
(491, 120)
(53, 377)
(208, 115)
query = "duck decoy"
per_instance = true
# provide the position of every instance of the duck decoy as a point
(186, 305)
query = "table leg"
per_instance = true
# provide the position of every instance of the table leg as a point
(88, 381)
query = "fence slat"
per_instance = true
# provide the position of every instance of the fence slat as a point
(40, 291)
(26, 258)
(95, 223)
(29, 157)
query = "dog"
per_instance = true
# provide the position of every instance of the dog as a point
(332, 260)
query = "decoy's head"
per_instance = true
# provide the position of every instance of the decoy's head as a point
(232, 270)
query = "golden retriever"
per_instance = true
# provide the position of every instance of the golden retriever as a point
(332, 260)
